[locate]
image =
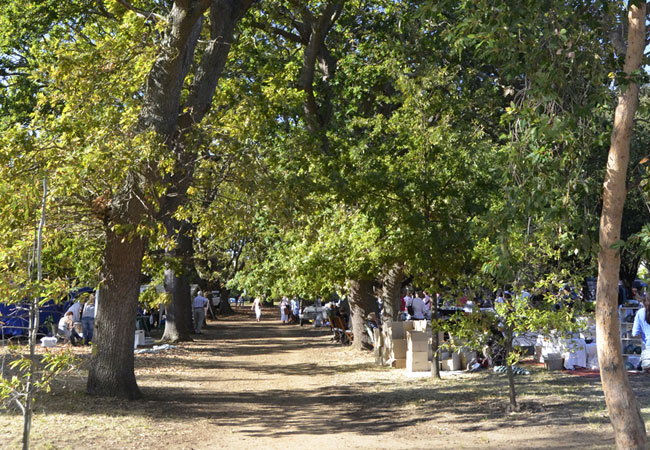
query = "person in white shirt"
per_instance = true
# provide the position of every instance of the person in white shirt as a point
(408, 303)
(257, 306)
(198, 311)
(427, 305)
(284, 309)
(66, 329)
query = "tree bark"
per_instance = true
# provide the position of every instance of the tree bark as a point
(435, 341)
(624, 413)
(178, 286)
(317, 116)
(362, 303)
(511, 378)
(111, 364)
(224, 306)
(177, 283)
(390, 292)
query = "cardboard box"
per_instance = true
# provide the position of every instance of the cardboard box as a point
(418, 346)
(418, 366)
(452, 363)
(553, 363)
(417, 336)
(416, 356)
(399, 363)
(399, 349)
(396, 330)
(420, 325)
(417, 341)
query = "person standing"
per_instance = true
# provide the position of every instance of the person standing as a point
(88, 320)
(641, 328)
(417, 304)
(284, 309)
(295, 309)
(408, 306)
(257, 307)
(198, 311)
(427, 305)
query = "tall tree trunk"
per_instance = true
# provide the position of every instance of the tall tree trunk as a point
(111, 364)
(33, 326)
(624, 413)
(224, 306)
(362, 303)
(511, 378)
(390, 292)
(178, 286)
(177, 283)
(435, 341)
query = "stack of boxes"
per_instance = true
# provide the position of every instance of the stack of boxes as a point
(407, 345)
(417, 351)
(452, 363)
(394, 338)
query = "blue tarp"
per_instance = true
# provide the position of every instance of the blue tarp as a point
(14, 318)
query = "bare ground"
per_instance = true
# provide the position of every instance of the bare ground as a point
(267, 385)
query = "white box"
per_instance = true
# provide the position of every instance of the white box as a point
(396, 330)
(48, 341)
(420, 325)
(417, 366)
(417, 341)
(416, 356)
(399, 349)
(139, 338)
(417, 336)
(418, 346)
(452, 363)
(399, 363)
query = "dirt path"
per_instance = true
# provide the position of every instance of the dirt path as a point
(267, 385)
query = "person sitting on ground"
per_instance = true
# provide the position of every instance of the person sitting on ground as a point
(198, 311)
(418, 306)
(641, 328)
(66, 329)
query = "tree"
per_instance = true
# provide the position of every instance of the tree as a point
(624, 411)
(131, 140)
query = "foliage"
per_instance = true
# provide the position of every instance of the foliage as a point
(16, 367)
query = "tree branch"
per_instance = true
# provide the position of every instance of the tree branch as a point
(277, 30)
(140, 12)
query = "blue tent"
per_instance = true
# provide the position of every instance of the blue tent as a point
(14, 317)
